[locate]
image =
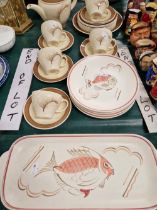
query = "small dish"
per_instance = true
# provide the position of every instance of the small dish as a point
(52, 78)
(4, 70)
(77, 27)
(69, 41)
(7, 38)
(86, 50)
(45, 124)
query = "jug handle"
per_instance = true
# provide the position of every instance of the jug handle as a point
(73, 4)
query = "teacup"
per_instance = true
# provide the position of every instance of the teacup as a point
(46, 104)
(101, 41)
(52, 32)
(96, 9)
(51, 60)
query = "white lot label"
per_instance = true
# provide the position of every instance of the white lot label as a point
(146, 107)
(12, 113)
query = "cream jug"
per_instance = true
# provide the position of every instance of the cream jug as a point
(54, 9)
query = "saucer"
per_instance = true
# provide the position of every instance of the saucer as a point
(85, 17)
(77, 27)
(63, 46)
(45, 124)
(52, 77)
(4, 70)
(86, 49)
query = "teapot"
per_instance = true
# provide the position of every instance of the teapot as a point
(54, 9)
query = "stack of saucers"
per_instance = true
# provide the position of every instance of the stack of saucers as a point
(103, 86)
(83, 23)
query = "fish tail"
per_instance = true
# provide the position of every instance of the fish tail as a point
(49, 166)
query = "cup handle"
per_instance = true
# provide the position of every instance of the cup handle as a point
(64, 59)
(64, 36)
(73, 4)
(64, 108)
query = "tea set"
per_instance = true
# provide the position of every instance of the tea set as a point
(98, 20)
(42, 109)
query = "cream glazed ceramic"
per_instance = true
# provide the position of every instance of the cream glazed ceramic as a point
(101, 41)
(97, 9)
(122, 174)
(54, 9)
(47, 109)
(88, 27)
(53, 32)
(51, 60)
(86, 49)
(102, 83)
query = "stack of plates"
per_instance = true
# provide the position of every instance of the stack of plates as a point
(103, 86)
(84, 24)
(4, 70)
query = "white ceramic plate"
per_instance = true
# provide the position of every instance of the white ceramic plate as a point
(87, 31)
(103, 83)
(111, 13)
(83, 171)
(129, 105)
(103, 116)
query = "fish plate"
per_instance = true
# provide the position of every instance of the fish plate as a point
(98, 171)
(99, 83)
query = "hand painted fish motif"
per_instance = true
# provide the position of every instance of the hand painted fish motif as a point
(84, 172)
(104, 81)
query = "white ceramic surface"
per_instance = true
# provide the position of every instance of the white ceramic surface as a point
(103, 116)
(54, 10)
(88, 27)
(3, 161)
(86, 49)
(52, 32)
(101, 41)
(85, 17)
(7, 38)
(51, 60)
(97, 8)
(102, 83)
(43, 177)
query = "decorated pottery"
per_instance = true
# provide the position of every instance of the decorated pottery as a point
(80, 168)
(146, 59)
(140, 30)
(54, 10)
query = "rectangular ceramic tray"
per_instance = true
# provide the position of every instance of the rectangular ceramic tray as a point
(48, 172)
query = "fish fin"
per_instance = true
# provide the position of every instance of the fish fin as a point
(80, 152)
(86, 192)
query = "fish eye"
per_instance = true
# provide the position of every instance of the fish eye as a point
(106, 165)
